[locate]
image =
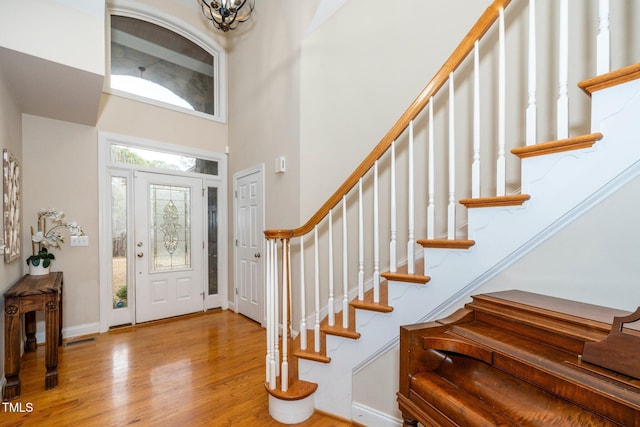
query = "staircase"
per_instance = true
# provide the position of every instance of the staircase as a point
(311, 357)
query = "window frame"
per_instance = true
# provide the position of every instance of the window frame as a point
(191, 34)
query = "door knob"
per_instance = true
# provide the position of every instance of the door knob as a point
(257, 255)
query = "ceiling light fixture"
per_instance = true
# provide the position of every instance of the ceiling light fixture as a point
(226, 14)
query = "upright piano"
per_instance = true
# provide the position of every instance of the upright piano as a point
(515, 358)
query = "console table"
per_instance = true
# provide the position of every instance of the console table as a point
(28, 295)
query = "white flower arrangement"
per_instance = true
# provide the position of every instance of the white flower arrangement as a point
(52, 237)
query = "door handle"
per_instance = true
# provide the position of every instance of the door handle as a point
(140, 254)
(257, 255)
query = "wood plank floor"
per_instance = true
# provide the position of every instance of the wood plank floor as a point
(198, 370)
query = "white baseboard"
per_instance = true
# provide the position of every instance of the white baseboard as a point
(70, 332)
(367, 416)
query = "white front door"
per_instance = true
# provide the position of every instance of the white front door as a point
(249, 243)
(169, 246)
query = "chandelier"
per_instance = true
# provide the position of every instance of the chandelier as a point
(226, 14)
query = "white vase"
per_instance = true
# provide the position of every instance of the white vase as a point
(38, 270)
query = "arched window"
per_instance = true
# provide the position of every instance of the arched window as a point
(155, 64)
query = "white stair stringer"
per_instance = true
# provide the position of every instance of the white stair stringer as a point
(562, 186)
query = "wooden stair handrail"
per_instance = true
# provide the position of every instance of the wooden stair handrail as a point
(482, 25)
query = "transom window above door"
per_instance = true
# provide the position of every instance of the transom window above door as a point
(157, 65)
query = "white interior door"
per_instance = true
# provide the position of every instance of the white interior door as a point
(249, 242)
(168, 246)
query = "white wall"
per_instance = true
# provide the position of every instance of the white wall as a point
(51, 29)
(360, 70)
(264, 111)
(10, 139)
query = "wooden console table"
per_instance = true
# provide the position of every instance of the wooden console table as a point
(28, 295)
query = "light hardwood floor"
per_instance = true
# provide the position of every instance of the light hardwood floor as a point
(198, 370)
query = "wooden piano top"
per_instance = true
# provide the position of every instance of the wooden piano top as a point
(562, 306)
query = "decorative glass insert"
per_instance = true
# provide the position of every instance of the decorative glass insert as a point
(170, 227)
(153, 62)
(119, 241)
(212, 231)
(161, 160)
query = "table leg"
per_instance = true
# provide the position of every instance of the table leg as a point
(52, 317)
(30, 330)
(11, 351)
(60, 316)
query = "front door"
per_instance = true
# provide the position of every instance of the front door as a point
(169, 246)
(249, 243)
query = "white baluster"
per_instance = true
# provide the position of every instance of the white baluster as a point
(562, 128)
(276, 309)
(475, 166)
(603, 43)
(316, 327)
(303, 304)
(532, 120)
(330, 308)
(360, 243)
(431, 207)
(284, 376)
(451, 209)
(393, 243)
(270, 362)
(345, 266)
(376, 237)
(501, 163)
(411, 243)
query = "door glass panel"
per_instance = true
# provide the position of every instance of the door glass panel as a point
(170, 228)
(119, 241)
(212, 220)
(161, 160)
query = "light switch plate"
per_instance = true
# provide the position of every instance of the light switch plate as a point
(79, 241)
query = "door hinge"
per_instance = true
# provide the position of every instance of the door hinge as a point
(236, 291)
(235, 194)
(203, 192)
(236, 242)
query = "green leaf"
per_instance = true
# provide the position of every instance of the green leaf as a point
(35, 262)
(46, 262)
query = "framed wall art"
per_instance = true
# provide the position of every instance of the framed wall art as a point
(11, 204)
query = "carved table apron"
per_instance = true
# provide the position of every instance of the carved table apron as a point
(28, 295)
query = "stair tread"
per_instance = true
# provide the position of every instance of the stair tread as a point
(298, 390)
(406, 277)
(312, 355)
(368, 304)
(446, 243)
(309, 353)
(575, 143)
(610, 79)
(488, 202)
(337, 328)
